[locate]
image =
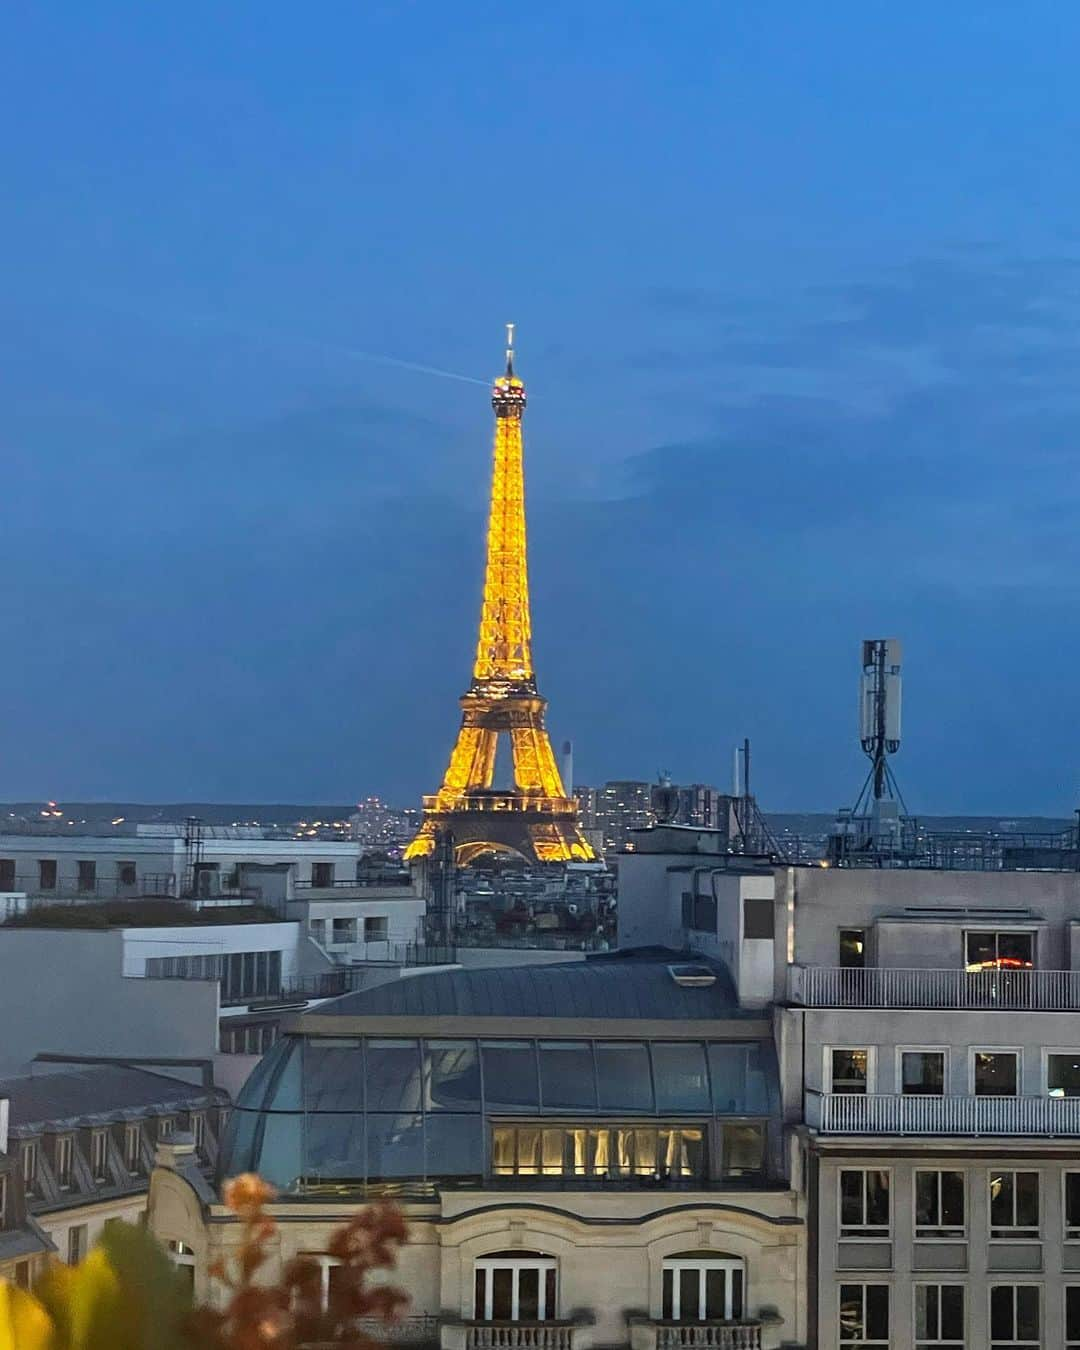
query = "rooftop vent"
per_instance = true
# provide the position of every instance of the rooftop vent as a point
(692, 977)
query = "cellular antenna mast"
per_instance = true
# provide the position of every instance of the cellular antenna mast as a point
(510, 349)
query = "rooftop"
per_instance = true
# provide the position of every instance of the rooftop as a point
(89, 1093)
(145, 913)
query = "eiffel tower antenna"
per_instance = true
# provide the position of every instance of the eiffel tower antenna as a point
(535, 817)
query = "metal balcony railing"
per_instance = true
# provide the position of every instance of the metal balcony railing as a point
(890, 1113)
(519, 1335)
(503, 801)
(872, 987)
(708, 1335)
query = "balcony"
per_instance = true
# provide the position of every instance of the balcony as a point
(873, 987)
(476, 1335)
(653, 1334)
(890, 1113)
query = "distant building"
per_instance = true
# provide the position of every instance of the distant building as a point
(78, 1148)
(615, 809)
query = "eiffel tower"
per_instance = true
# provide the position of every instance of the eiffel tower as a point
(535, 818)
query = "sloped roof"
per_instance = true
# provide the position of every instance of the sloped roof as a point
(92, 1092)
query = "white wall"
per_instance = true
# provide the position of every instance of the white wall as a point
(211, 940)
(63, 991)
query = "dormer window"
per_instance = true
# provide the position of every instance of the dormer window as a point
(65, 1152)
(165, 1127)
(29, 1166)
(133, 1148)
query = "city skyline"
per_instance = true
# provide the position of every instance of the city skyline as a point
(801, 370)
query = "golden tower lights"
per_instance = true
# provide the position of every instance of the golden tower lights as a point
(535, 817)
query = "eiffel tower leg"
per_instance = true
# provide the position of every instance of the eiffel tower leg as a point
(534, 760)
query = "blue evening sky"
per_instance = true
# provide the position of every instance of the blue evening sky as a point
(798, 293)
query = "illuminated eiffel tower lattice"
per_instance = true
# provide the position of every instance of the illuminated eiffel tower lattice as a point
(534, 818)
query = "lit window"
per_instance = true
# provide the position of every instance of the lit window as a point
(1014, 1205)
(999, 951)
(703, 1287)
(743, 1149)
(849, 1071)
(864, 1203)
(939, 1204)
(1014, 1317)
(676, 1152)
(1063, 1075)
(852, 948)
(939, 1317)
(515, 1287)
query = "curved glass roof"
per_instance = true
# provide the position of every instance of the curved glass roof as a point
(327, 1114)
(619, 985)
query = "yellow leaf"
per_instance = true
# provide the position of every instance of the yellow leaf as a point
(85, 1303)
(24, 1323)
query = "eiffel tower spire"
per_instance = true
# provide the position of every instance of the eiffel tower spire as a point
(535, 817)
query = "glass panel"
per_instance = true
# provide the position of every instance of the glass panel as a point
(689, 1285)
(503, 1145)
(253, 1092)
(452, 1076)
(395, 1146)
(669, 1284)
(849, 1071)
(549, 1293)
(567, 1077)
(1063, 1075)
(737, 1293)
(600, 1160)
(851, 1199)
(1072, 1313)
(877, 1311)
(743, 1150)
(1001, 1200)
(552, 1152)
(510, 1082)
(1072, 1200)
(528, 1151)
(645, 1141)
(1016, 950)
(502, 1294)
(577, 1152)
(852, 948)
(529, 1295)
(952, 1199)
(682, 1153)
(995, 1073)
(333, 1075)
(877, 1199)
(716, 1307)
(1001, 1312)
(281, 1154)
(981, 950)
(334, 1147)
(1027, 1312)
(237, 1149)
(951, 1311)
(622, 1070)
(923, 1072)
(479, 1290)
(1027, 1199)
(454, 1146)
(680, 1076)
(393, 1075)
(284, 1093)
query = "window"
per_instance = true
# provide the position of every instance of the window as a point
(864, 1316)
(317, 929)
(1014, 1204)
(7, 874)
(939, 1317)
(702, 1287)
(3, 1200)
(999, 951)
(1014, 1317)
(22, 1274)
(758, 919)
(599, 1151)
(197, 1125)
(344, 930)
(46, 874)
(1072, 1317)
(850, 1071)
(864, 1203)
(76, 1243)
(1071, 1181)
(515, 1287)
(65, 1148)
(1063, 1075)
(939, 1204)
(125, 874)
(165, 1127)
(99, 1154)
(377, 929)
(87, 874)
(29, 1166)
(743, 1149)
(996, 1073)
(699, 912)
(322, 874)
(133, 1148)
(922, 1073)
(183, 1258)
(852, 948)
(247, 975)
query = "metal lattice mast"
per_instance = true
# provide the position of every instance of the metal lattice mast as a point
(536, 817)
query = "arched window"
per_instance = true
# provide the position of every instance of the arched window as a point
(515, 1286)
(703, 1287)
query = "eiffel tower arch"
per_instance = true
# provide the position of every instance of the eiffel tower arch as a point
(535, 818)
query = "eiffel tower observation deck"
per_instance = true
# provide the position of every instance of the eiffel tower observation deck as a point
(534, 818)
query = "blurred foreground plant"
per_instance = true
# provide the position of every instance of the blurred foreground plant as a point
(127, 1295)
